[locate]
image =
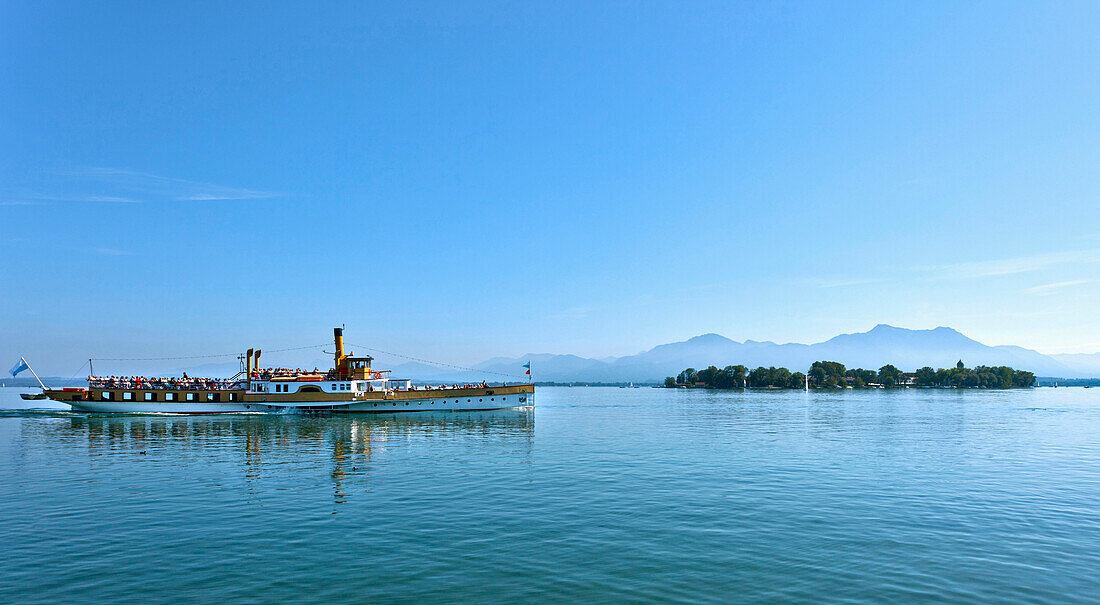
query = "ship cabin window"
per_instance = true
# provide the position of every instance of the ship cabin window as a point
(150, 397)
(232, 396)
(213, 397)
(334, 386)
(127, 396)
(192, 396)
(107, 396)
(169, 396)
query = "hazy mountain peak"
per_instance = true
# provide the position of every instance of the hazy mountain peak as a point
(886, 333)
(907, 349)
(709, 338)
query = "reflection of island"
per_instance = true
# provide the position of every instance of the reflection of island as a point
(260, 443)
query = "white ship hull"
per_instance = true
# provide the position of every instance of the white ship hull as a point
(521, 400)
(351, 386)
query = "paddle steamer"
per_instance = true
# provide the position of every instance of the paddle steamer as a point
(351, 386)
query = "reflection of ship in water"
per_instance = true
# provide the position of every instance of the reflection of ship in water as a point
(261, 443)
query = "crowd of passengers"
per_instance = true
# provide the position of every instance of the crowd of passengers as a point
(269, 373)
(211, 384)
(468, 385)
(161, 383)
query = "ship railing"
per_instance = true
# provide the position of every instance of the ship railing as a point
(267, 375)
(177, 385)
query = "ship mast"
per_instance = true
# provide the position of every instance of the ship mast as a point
(33, 373)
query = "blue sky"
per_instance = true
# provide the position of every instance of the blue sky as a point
(457, 181)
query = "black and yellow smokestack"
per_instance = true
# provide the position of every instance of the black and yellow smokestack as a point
(338, 334)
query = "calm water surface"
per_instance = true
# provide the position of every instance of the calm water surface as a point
(599, 495)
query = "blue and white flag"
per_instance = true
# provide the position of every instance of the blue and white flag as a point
(528, 366)
(18, 367)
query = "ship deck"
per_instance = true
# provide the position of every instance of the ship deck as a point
(473, 395)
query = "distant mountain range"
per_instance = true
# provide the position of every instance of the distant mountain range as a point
(906, 349)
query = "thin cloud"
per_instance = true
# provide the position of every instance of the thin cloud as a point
(88, 199)
(111, 199)
(21, 203)
(112, 252)
(127, 182)
(228, 194)
(1054, 287)
(1087, 348)
(571, 313)
(841, 282)
(1010, 266)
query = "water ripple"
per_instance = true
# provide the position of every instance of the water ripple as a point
(598, 495)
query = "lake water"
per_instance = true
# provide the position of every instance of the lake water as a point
(598, 495)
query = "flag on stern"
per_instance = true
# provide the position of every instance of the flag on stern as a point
(18, 367)
(528, 366)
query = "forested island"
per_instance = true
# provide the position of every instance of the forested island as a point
(832, 374)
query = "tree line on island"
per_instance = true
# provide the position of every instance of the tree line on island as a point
(832, 374)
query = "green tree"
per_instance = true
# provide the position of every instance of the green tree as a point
(1020, 378)
(758, 378)
(888, 375)
(971, 380)
(796, 381)
(707, 376)
(817, 375)
(739, 374)
(780, 377)
(670, 382)
(942, 378)
(926, 376)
